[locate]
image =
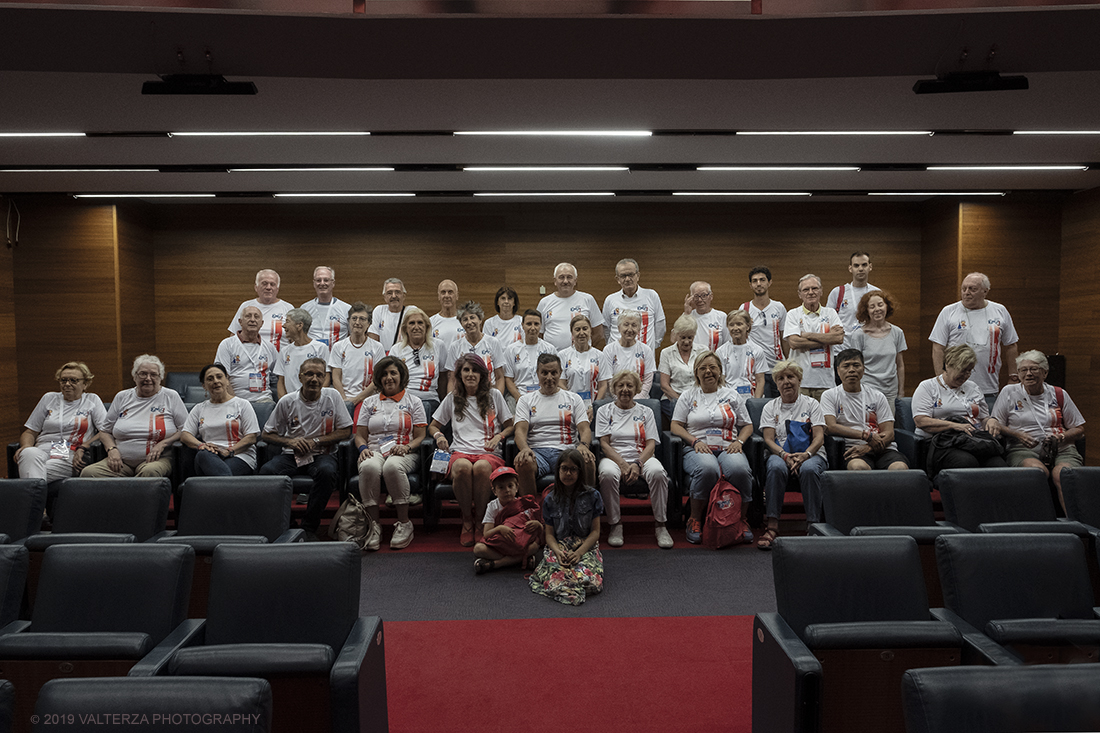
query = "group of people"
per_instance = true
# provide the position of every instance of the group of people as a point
(394, 375)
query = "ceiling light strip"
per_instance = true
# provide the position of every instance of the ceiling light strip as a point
(79, 170)
(926, 133)
(1056, 132)
(43, 134)
(303, 133)
(770, 168)
(545, 193)
(544, 168)
(144, 195)
(348, 194)
(741, 193)
(559, 133)
(936, 193)
(323, 169)
(1076, 167)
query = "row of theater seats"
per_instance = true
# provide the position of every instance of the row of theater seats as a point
(854, 628)
(286, 613)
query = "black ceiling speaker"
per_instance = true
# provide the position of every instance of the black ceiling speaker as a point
(197, 84)
(970, 81)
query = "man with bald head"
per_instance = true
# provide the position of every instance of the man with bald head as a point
(271, 308)
(445, 325)
(983, 325)
(249, 360)
(559, 308)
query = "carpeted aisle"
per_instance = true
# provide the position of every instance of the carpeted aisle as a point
(572, 674)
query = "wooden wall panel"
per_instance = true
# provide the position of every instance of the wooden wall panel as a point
(10, 417)
(64, 286)
(1080, 255)
(939, 279)
(134, 287)
(207, 256)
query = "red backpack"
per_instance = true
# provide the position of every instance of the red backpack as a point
(724, 525)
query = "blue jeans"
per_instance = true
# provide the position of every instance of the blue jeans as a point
(809, 483)
(704, 470)
(209, 464)
(547, 461)
(324, 472)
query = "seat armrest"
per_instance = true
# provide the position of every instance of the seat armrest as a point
(977, 645)
(1063, 526)
(358, 680)
(786, 690)
(158, 535)
(291, 535)
(189, 633)
(957, 527)
(823, 529)
(15, 627)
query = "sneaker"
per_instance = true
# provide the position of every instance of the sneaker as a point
(747, 538)
(664, 539)
(303, 498)
(694, 531)
(374, 537)
(615, 539)
(402, 535)
(415, 499)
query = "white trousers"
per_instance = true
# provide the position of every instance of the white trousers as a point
(653, 473)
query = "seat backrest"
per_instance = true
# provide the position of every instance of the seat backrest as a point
(1047, 697)
(194, 394)
(302, 593)
(848, 579)
(21, 504)
(137, 506)
(903, 414)
(974, 496)
(755, 406)
(1007, 576)
(14, 560)
(180, 381)
(263, 412)
(1081, 490)
(88, 588)
(877, 499)
(235, 505)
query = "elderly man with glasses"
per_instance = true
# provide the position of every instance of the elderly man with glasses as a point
(811, 332)
(630, 298)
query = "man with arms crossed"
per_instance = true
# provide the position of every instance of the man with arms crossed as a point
(811, 332)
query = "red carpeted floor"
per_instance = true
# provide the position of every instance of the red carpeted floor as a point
(573, 674)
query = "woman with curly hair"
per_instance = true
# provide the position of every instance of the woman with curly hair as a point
(881, 343)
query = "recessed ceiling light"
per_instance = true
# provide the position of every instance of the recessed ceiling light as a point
(143, 196)
(1056, 132)
(1008, 167)
(339, 195)
(314, 133)
(530, 168)
(334, 169)
(753, 168)
(79, 170)
(561, 133)
(547, 193)
(936, 193)
(741, 193)
(834, 132)
(42, 134)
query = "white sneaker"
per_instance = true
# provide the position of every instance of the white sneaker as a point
(374, 537)
(402, 535)
(415, 499)
(615, 539)
(664, 539)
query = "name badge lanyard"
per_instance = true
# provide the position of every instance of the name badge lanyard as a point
(1035, 412)
(62, 443)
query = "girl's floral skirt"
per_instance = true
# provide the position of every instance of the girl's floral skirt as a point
(569, 584)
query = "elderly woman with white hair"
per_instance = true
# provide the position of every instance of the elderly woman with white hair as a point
(628, 353)
(1041, 420)
(141, 426)
(677, 365)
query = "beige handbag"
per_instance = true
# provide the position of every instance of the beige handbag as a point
(350, 523)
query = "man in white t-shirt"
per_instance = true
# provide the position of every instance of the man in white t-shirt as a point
(863, 417)
(386, 318)
(711, 331)
(330, 314)
(844, 299)
(810, 333)
(249, 360)
(633, 298)
(309, 424)
(985, 326)
(271, 308)
(298, 348)
(558, 309)
(768, 318)
(445, 324)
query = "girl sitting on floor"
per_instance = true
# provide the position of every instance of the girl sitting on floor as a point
(511, 526)
(572, 565)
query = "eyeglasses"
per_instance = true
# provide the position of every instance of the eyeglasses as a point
(626, 275)
(1030, 370)
(700, 296)
(148, 375)
(70, 380)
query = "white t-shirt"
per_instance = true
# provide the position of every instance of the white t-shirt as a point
(521, 363)
(985, 330)
(552, 421)
(711, 331)
(583, 371)
(681, 376)
(776, 414)
(224, 424)
(880, 358)
(139, 423)
(387, 419)
(446, 330)
(629, 430)
(424, 376)
(716, 417)
(933, 398)
(816, 363)
(494, 509)
(637, 358)
(845, 307)
(291, 359)
(294, 417)
(767, 330)
(647, 304)
(57, 420)
(356, 363)
(863, 410)
(1037, 414)
(472, 431)
(274, 314)
(557, 312)
(741, 363)
(330, 322)
(250, 366)
(503, 331)
(384, 324)
(488, 348)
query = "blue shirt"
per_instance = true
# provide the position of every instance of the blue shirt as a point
(588, 505)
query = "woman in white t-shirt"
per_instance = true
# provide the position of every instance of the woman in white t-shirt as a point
(881, 343)
(52, 444)
(223, 430)
(425, 358)
(794, 452)
(630, 354)
(473, 341)
(628, 436)
(480, 423)
(744, 362)
(581, 363)
(521, 359)
(677, 365)
(507, 326)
